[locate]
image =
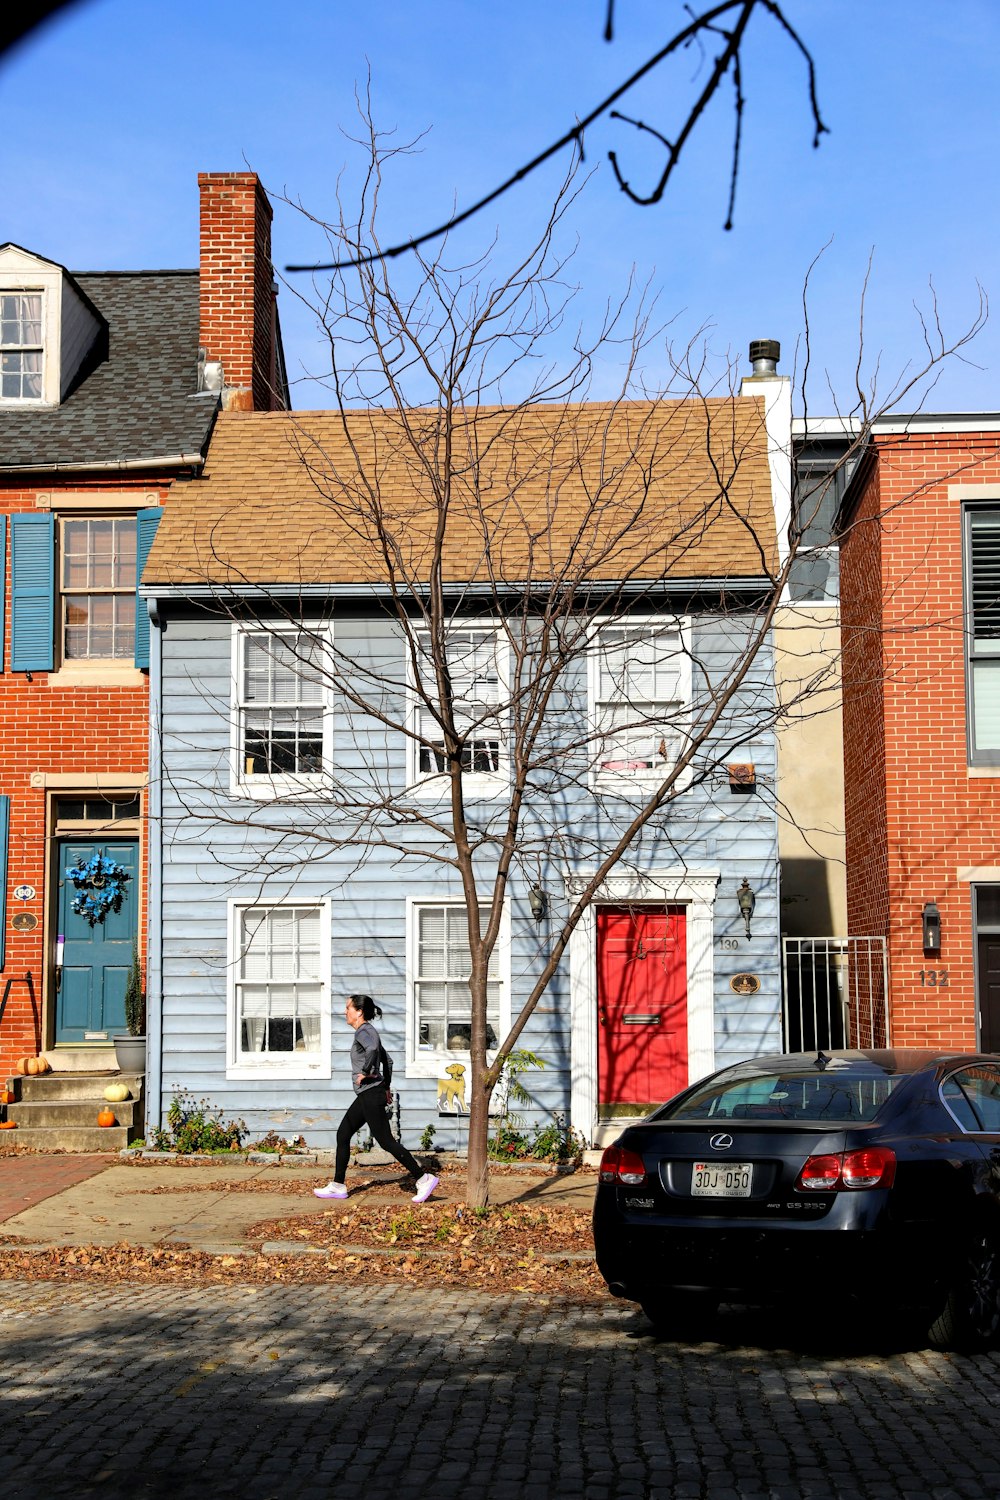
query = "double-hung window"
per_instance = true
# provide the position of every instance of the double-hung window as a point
(640, 693)
(98, 587)
(280, 1001)
(982, 612)
(21, 349)
(282, 720)
(477, 694)
(441, 1006)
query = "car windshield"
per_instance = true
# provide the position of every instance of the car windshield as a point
(842, 1094)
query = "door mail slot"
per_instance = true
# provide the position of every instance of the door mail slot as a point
(640, 1020)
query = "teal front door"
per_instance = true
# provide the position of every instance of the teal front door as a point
(93, 960)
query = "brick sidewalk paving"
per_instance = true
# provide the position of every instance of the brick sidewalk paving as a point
(27, 1180)
(362, 1390)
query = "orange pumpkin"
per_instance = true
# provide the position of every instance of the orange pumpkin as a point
(106, 1117)
(6, 1096)
(8, 1124)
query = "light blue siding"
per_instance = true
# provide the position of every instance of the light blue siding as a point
(217, 847)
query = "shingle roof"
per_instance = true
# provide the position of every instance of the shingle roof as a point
(140, 403)
(600, 491)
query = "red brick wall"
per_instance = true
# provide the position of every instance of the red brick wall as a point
(937, 817)
(237, 299)
(71, 730)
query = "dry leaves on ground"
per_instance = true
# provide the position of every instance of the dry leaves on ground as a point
(510, 1228)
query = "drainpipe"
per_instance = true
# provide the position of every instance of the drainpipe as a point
(154, 882)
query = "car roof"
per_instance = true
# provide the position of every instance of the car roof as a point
(879, 1059)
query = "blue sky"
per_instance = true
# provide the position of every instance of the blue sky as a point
(113, 108)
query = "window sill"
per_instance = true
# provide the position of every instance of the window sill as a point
(983, 773)
(97, 674)
(271, 789)
(272, 1068)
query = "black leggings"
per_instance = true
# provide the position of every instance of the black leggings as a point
(369, 1109)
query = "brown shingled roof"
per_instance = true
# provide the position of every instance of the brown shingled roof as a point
(592, 491)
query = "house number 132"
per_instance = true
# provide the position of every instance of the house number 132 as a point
(934, 979)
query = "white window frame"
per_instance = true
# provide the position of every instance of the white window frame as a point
(277, 1065)
(271, 788)
(477, 784)
(114, 591)
(432, 1064)
(41, 347)
(620, 781)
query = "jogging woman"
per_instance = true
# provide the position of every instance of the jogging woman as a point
(371, 1092)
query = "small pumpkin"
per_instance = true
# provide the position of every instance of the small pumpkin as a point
(106, 1116)
(8, 1124)
(117, 1093)
(6, 1096)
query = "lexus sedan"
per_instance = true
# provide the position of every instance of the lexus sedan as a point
(871, 1177)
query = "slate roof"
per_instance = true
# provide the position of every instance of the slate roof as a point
(631, 490)
(138, 403)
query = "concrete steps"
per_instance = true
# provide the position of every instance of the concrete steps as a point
(58, 1111)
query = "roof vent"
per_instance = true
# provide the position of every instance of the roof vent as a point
(764, 356)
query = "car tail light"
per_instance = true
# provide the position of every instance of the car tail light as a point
(821, 1174)
(874, 1166)
(619, 1165)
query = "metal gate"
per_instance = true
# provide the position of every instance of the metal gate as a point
(836, 992)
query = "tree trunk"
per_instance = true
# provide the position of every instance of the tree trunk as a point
(477, 1188)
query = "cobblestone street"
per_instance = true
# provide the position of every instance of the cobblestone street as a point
(376, 1389)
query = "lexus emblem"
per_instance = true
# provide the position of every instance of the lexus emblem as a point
(721, 1142)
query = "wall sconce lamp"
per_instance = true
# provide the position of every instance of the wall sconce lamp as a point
(932, 928)
(747, 901)
(538, 901)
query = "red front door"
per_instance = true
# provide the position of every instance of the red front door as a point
(641, 1007)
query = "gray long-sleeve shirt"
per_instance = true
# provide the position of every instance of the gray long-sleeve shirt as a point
(366, 1058)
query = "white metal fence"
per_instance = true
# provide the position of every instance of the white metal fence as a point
(836, 992)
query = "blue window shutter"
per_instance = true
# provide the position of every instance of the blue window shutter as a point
(3, 581)
(32, 592)
(146, 523)
(4, 828)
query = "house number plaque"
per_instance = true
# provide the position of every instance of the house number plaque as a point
(24, 921)
(24, 892)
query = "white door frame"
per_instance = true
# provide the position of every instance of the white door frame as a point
(696, 891)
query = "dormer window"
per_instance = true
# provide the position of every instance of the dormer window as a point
(21, 346)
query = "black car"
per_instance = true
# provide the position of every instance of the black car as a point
(864, 1176)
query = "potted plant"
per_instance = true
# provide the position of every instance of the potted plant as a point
(130, 1050)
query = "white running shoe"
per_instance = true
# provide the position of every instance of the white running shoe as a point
(425, 1186)
(332, 1190)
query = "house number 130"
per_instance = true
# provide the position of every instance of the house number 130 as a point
(934, 979)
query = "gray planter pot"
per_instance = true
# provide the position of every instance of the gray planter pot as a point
(130, 1053)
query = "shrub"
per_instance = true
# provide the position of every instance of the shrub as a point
(192, 1126)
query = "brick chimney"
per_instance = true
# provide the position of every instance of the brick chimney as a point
(239, 327)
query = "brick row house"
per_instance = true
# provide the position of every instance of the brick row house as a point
(110, 385)
(920, 598)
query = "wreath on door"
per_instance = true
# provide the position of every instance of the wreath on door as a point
(101, 883)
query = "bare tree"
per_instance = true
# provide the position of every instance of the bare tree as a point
(538, 558)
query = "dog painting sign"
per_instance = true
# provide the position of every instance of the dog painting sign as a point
(451, 1091)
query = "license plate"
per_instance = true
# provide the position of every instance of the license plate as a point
(712, 1179)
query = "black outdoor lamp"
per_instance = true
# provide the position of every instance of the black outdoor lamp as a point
(747, 901)
(538, 901)
(932, 928)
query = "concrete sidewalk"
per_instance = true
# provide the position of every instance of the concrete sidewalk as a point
(210, 1205)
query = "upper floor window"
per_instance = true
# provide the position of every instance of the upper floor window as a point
(97, 585)
(640, 689)
(477, 689)
(282, 718)
(982, 611)
(21, 346)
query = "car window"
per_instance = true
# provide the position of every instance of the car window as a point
(981, 1085)
(957, 1101)
(837, 1094)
